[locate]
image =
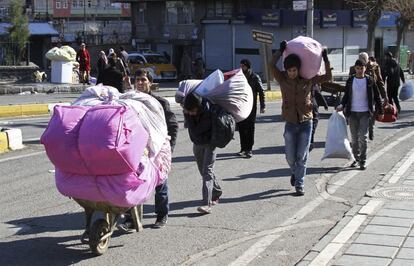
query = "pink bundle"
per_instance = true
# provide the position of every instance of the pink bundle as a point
(310, 54)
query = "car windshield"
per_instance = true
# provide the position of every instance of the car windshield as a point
(156, 59)
(133, 59)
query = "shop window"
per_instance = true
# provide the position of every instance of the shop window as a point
(89, 3)
(180, 12)
(220, 8)
(81, 3)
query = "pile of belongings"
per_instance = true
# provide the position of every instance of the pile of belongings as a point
(229, 90)
(109, 147)
(64, 53)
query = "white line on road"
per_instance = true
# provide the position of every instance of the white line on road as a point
(308, 208)
(21, 156)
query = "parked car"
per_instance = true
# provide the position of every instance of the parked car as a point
(157, 64)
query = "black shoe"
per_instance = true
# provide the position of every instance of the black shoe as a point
(310, 147)
(354, 164)
(371, 135)
(241, 153)
(300, 191)
(362, 166)
(249, 154)
(161, 222)
(292, 180)
(127, 227)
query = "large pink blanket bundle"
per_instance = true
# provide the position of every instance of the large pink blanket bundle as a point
(125, 190)
(310, 54)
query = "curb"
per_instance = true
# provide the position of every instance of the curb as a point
(11, 139)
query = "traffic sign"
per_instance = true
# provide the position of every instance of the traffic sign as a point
(262, 36)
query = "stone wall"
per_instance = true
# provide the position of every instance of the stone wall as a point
(17, 73)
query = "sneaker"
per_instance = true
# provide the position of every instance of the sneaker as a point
(354, 164)
(300, 191)
(292, 180)
(127, 227)
(161, 222)
(215, 201)
(362, 166)
(249, 154)
(204, 209)
(241, 153)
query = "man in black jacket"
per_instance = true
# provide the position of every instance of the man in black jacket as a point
(246, 127)
(357, 104)
(198, 115)
(143, 80)
(392, 73)
(111, 76)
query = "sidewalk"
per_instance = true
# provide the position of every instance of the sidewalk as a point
(379, 230)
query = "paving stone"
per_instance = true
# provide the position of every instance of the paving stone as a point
(372, 250)
(409, 242)
(386, 230)
(348, 260)
(310, 256)
(323, 243)
(303, 263)
(401, 262)
(392, 221)
(400, 205)
(396, 213)
(339, 226)
(406, 253)
(383, 240)
(408, 183)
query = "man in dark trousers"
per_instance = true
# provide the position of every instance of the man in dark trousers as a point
(112, 76)
(392, 73)
(246, 127)
(143, 81)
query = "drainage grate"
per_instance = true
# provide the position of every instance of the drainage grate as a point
(393, 193)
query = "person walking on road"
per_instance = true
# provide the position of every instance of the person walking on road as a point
(84, 60)
(392, 73)
(297, 112)
(247, 126)
(112, 76)
(198, 116)
(185, 67)
(101, 65)
(357, 104)
(143, 81)
(199, 67)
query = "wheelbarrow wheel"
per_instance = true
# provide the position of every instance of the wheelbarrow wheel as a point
(98, 230)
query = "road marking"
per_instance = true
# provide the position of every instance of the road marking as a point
(214, 251)
(312, 205)
(403, 168)
(339, 241)
(21, 156)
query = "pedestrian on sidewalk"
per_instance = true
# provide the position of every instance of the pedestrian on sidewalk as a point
(247, 126)
(358, 106)
(297, 111)
(143, 82)
(316, 98)
(84, 60)
(373, 70)
(392, 73)
(199, 67)
(186, 71)
(101, 65)
(198, 116)
(112, 76)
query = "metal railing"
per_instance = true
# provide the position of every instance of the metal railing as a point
(10, 56)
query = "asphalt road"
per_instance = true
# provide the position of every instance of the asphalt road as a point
(259, 221)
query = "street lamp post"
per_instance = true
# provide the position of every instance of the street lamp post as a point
(84, 19)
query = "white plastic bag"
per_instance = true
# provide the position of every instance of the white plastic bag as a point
(212, 81)
(337, 144)
(185, 87)
(407, 91)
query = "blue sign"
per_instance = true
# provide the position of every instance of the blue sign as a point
(359, 18)
(264, 17)
(388, 19)
(329, 18)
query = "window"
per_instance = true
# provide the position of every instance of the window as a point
(89, 3)
(58, 6)
(74, 3)
(65, 4)
(220, 8)
(180, 12)
(81, 3)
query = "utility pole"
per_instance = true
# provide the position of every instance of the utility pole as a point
(84, 20)
(309, 22)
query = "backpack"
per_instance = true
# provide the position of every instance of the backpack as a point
(223, 127)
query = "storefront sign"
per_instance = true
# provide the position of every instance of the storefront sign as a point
(271, 18)
(388, 19)
(264, 17)
(300, 5)
(329, 18)
(359, 18)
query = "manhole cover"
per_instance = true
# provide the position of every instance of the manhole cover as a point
(393, 193)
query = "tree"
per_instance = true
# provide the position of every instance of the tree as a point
(405, 8)
(19, 30)
(374, 8)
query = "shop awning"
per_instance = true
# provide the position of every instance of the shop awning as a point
(35, 29)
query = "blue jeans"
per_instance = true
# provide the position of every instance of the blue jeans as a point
(161, 199)
(297, 141)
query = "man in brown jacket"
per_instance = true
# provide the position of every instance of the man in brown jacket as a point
(297, 111)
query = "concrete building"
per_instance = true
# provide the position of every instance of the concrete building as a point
(221, 29)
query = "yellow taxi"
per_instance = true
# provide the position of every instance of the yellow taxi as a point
(157, 64)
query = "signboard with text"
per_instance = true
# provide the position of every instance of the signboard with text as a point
(300, 5)
(329, 18)
(262, 36)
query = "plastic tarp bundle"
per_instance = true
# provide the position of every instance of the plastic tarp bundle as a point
(233, 94)
(337, 144)
(310, 54)
(105, 152)
(390, 113)
(407, 91)
(64, 53)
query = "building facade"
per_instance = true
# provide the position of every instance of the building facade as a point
(221, 29)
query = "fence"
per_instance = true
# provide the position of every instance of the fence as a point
(10, 55)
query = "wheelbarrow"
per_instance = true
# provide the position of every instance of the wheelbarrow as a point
(98, 234)
(336, 90)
